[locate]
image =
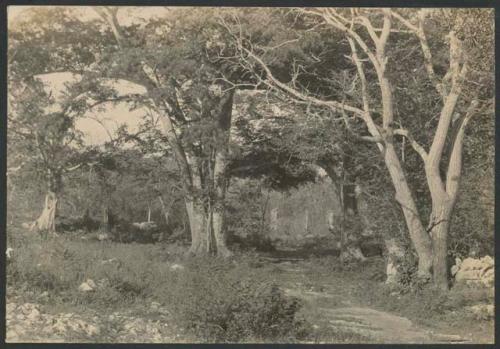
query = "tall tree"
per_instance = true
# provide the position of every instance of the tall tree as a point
(168, 63)
(372, 35)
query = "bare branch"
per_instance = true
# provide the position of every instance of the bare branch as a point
(272, 81)
(455, 163)
(415, 145)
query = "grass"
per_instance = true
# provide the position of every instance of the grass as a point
(132, 276)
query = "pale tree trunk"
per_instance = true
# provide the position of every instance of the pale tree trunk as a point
(220, 179)
(196, 212)
(219, 209)
(197, 221)
(444, 198)
(404, 197)
(166, 214)
(46, 222)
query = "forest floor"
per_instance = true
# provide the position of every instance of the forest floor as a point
(342, 304)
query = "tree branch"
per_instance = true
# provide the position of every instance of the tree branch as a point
(455, 163)
(415, 145)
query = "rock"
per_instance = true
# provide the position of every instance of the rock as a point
(9, 252)
(488, 260)
(34, 315)
(103, 236)
(176, 267)
(26, 225)
(87, 286)
(483, 311)
(391, 273)
(475, 271)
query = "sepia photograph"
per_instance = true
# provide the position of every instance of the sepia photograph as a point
(298, 175)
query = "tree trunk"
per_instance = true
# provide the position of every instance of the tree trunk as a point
(440, 223)
(46, 222)
(197, 221)
(164, 210)
(419, 237)
(218, 210)
(342, 222)
(220, 180)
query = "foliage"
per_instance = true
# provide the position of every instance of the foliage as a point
(220, 307)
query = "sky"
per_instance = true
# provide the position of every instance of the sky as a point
(96, 132)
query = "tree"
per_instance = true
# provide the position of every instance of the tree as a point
(195, 110)
(169, 62)
(369, 34)
(42, 135)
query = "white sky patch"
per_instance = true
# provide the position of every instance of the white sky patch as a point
(100, 123)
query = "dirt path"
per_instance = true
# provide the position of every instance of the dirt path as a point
(328, 308)
(384, 327)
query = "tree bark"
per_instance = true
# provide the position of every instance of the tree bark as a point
(419, 237)
(220, 180)
(439, 234)
(197, 222)
(219, 210)
(46, 222)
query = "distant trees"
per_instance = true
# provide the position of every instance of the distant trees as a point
(373, 36)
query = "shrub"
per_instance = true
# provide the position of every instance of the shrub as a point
(225, 303)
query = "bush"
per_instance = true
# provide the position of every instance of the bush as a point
(217, 302)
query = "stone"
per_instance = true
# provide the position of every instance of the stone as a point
(9, 253)
(474, 272)
(391, 273)
(487, 260)
(87, 286)
(176, 267)
(103, 236)
(109, 261)
(34, 315)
